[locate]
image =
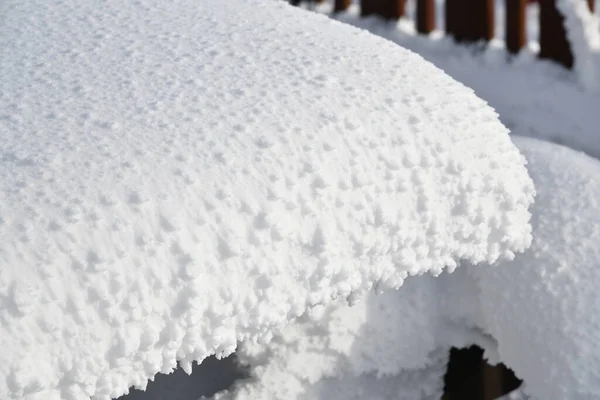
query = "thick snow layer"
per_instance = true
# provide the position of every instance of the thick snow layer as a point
(535, 313)
(178, 176)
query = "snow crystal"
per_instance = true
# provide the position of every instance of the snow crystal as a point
(179, 176)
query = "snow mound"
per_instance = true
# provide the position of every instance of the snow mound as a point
(180, 176)
(542, 308)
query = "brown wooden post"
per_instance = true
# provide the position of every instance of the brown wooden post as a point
(457, 23)
(516, 25)
(470, 20)
(591, 5)
(553, 37)
(425, 16)
(387, 9)
(392, 9)
(341, 5)
(484, 17)
(366, 7)
(449, 8)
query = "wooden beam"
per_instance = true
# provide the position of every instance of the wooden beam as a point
(392, 9)
(516, 25)
(386, 9)
(553, 37)
(470, 20)
(366, 7)
(484, 16)
(425, 16)
(341, 5)
(449, 16)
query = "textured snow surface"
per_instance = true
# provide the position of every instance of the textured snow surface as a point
(388, 346)
(534, 98)
(542, 307)
(535, 313)
(178, 176)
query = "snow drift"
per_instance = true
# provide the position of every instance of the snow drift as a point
(180, 176)
(537, 313)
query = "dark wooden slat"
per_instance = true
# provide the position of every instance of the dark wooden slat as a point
(459, 19)
(470, 20)
(516, 28)
(553, 37)
(483, 19)
(386, 9)
(392, 9)
(425, 16)
(341, 5)
(367, 7)
(449, 16)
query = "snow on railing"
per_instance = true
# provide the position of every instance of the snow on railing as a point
(473, 20)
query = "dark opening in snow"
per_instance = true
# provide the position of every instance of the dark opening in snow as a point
(206, 379)
(469, 376)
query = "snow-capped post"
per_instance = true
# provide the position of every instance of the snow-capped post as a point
(553, 37)
(516, 25)
(470, 20)
(341, 5)
(425, 16)
(386, 9)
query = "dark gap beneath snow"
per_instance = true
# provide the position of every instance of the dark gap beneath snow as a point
(206, 379)
(470, 377)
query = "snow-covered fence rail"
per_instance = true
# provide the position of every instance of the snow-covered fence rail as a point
(473, 20)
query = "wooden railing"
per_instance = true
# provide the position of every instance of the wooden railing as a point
(473, 20)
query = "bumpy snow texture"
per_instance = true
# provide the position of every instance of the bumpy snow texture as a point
(179, 176)
(535, 313)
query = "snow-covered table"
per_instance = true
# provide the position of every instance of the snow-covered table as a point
(178, 176)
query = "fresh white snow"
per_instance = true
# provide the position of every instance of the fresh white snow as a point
(388, 346)
(583, 34)
(535, 313)
(534, 98)
(543, 307)
(180, 176)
